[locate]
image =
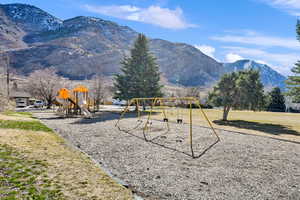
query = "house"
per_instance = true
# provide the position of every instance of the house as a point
(291, 106)
(21, 98)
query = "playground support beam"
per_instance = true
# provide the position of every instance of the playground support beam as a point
(191, 129)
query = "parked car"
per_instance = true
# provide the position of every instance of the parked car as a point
(38, 104)
(119, 102)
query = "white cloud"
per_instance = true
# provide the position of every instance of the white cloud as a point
(255, 38)
(232, 57)
(163, 17)
(207, 50)
(290, 6)
(283, 62)
(263, 62)
(244, 50)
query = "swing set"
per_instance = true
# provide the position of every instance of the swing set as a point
(168, 107)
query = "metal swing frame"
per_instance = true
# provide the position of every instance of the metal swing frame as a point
(154, 101)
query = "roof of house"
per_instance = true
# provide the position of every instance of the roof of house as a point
(15, 94)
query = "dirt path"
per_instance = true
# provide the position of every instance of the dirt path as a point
(238, 167)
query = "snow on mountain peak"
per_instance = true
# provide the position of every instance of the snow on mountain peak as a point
(31, 17)
(269, 77)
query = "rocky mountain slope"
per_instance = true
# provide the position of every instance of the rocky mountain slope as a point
(269, 77)
(185, 64)
(82, 46)
(10, 34)
(31, 18)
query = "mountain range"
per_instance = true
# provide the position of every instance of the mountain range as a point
(83, 46)
(268, 76)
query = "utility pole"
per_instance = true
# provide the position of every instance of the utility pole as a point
(7, 76)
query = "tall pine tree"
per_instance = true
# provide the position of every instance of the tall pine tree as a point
(277, 101)
(140, 74)
(294, 81)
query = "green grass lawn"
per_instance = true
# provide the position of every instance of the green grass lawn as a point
(24, 125)
(274, 124)
(23, 178)
(36, 164)
(12, 113)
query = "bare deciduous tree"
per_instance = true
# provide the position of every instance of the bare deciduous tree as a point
(188, 92)
(44, 84)
(98, 90)
(4, 80)
(3, 102)
(193, 92)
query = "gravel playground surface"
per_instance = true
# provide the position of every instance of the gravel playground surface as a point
(238, 167)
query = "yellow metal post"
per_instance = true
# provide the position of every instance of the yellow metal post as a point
(164, 112)
(125, 110)
(149, 117)
(209, 122)
(191, 129)
(138, 109)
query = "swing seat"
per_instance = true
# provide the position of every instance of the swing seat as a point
(166, 119)
(179, 121)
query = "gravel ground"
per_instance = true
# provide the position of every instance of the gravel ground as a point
(238, 167)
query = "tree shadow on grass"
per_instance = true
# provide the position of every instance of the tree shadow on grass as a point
(274, 129)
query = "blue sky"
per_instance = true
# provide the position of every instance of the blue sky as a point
(228, 30)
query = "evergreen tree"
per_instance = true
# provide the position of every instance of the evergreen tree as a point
(224, 93)
(250, 89)
(140, 74)
(276, 101)
(239, 90)
(294, 81)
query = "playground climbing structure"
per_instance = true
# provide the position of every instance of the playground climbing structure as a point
(75, 102)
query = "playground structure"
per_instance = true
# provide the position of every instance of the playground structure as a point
(165, 106)
(75, 102)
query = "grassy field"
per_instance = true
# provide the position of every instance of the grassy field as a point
(37, 164)
(277, 125)
(18, 114)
